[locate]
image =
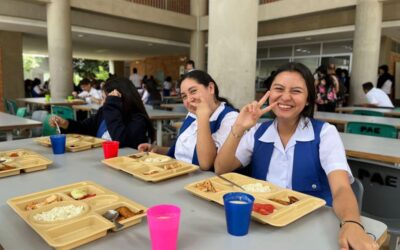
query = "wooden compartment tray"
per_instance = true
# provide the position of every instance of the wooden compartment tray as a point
(74, 142)
(150, 166)
(66, 223)
(21, 160)
(283, 214)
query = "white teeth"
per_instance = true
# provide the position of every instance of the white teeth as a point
(284, 106)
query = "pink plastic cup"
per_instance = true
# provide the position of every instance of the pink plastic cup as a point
(110, 149)
(163, 223)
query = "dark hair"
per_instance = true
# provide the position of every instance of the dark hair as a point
(324, 75)
(367, 86)
(84, 81)
(168, 79)
(205, 79)
(134, 70)
(191, 62)
(131, 100)
(306, 74)
(384, 67)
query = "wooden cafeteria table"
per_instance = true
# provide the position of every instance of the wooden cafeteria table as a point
(10, 122)
(372, 148)
(202, 223)
(385, 111)
(343, 119)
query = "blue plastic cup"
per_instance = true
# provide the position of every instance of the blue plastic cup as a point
(58, 144)
(238, 207)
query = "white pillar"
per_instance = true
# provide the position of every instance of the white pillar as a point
(366, 46)
(60, 47)
(198, 8)
(111, 67)
(232, 48)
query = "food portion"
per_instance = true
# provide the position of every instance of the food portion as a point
(59, 213)
(290, 200)
(157, 159)
(257, 188)
(151, 172)
(171, 166)
(125, 213)
(80, 194)
(13, 154)
(206, 186)
(49, 200)
(264, 209)
(4, 167)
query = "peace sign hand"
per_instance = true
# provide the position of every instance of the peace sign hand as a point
(250, 113)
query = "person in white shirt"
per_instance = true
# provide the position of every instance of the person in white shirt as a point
(88, 93)
(296, 151)
(385, 80)
(205, 127)
(167, 86)
(135, 78)
(189, 66)
(376, 97)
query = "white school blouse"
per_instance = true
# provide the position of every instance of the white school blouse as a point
(186, 143)
(331, 151)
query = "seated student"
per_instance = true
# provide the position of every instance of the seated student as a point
(36, 90)
(376, 97)
(295, 151)
(88, 93)
(122, 117)
(206, 125)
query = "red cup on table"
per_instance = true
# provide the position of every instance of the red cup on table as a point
(110, 149)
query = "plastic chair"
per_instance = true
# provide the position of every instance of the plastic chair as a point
(47, 129)
(39, 115)
(63, 111)
(358, 190)
(11, 107)
(374, 129)
(367, 112)
(21, 112)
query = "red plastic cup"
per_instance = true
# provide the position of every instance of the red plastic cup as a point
(110, 149)
(163, 223)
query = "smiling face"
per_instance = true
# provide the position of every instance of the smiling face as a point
(289, 90)
(191, 91)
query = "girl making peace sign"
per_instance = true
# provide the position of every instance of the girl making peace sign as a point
(295, 151)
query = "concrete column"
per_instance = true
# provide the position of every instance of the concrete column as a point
(198, 8)
(111, 66)
(366, 45)
(232, 48)
(60, 47)
(11, 66)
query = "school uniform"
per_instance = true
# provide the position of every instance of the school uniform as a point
(221, 122)
(314, 150)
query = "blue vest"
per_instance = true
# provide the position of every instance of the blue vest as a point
(308, 175)
(214, 126)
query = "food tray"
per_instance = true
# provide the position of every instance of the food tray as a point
(282, 214)
(21, 160)
(150, 166)
(88, 226)
(74, 142)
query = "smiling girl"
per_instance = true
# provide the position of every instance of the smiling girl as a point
(207, 124)
(295, 151)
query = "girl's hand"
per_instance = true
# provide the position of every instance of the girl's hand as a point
(202, 108)
(147, 147)
(114, 93)
(351, 236)
(62, 123)
(250, 113)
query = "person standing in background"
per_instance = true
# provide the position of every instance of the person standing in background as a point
(189, 66)
(385, 80)
(167, 86)
(135, 78)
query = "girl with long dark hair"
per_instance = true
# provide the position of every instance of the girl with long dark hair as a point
(122, 117)
(206, 125)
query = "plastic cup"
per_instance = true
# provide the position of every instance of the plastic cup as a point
(58, 144)
(70, 98)
(47, 98)
(238, 207)
(110, 149)
(163, 221)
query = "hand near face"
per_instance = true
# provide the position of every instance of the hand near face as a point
(114, 93)
(202, 108)
(250, 113)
